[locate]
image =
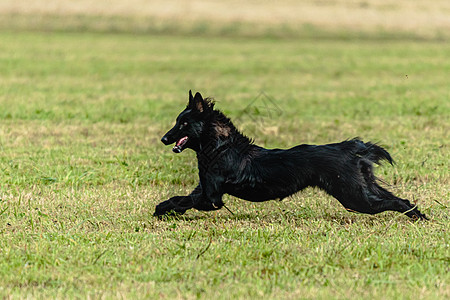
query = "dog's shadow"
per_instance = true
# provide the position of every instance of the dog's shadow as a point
(279, 217)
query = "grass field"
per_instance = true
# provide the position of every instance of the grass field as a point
(81, 115)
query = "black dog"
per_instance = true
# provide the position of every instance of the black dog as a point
(230, 163)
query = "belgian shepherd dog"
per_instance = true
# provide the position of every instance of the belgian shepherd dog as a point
(229, 162)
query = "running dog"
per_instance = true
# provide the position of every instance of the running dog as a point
(230, 163)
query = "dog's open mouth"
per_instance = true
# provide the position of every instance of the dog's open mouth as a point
(179, 146)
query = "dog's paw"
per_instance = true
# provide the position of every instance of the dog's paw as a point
(418, 216)
(168, 208)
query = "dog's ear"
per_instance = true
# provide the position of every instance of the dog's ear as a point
(200, 104)
(196, 102)
(191, 100)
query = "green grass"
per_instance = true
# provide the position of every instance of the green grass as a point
(81, 115)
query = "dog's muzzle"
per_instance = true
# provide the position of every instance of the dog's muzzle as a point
(179, 145)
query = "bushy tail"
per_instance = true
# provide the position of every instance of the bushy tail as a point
(371, 151)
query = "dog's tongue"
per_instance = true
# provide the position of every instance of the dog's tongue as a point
(182, 141)
(179, 145)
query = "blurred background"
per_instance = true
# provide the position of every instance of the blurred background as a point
(287, 18)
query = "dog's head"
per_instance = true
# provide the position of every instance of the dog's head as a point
(189, 124)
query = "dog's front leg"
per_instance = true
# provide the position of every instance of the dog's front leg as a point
(209, 203)
(212, 192)
(178, 205)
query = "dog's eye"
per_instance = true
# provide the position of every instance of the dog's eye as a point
(183, 125)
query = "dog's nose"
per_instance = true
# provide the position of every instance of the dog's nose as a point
(165, 140)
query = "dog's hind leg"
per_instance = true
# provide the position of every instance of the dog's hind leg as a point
(381, 200)
(360, 192)
(368, 201)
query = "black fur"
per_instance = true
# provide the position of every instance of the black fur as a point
(230, 163)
